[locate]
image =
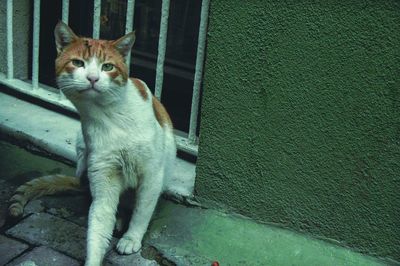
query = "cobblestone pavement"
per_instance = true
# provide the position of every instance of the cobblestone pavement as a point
(52, 231)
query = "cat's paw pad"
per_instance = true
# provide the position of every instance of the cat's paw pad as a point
(127, 245)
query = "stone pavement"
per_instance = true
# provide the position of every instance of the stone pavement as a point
(52, 230)
(52, 233)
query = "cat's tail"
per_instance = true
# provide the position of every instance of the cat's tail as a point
(38, 187)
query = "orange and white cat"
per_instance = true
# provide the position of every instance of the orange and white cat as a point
(126, 140)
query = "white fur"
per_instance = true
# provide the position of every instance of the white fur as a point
(122, 146)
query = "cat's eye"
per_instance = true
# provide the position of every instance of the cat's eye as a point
(107, 67)
(78, 63)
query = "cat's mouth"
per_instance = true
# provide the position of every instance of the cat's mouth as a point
(89, 89)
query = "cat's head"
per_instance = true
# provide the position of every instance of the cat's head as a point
(91, 69)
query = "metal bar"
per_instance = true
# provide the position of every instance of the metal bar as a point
(198, 75)
(162, 44)
(183, 144)
(65, 11)
(64, 18)
(130, 13)
(35, 45)
(10, 50)
(42, 92)
(96, 19)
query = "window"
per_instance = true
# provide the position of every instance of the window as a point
(168, 54)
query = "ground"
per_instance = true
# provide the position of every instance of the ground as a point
(52, 230)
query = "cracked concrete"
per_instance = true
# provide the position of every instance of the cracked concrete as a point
(43, 255)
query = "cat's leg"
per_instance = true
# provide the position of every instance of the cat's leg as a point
(106, 189)
(81, 152)
(147, 195)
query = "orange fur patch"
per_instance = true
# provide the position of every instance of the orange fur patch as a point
(161, 114)
(140, 86)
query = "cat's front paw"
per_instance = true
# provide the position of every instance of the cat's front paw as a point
(128, 245)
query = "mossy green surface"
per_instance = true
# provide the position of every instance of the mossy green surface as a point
(300, 117)
(190, 236)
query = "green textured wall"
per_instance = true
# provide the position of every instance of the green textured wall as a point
(301, 117)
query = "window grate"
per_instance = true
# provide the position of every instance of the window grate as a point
(186, 142)
(35, 45)
(10, 50)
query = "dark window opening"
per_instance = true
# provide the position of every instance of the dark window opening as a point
(183, 27)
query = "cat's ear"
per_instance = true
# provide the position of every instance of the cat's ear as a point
(125, 43)
(64, 36)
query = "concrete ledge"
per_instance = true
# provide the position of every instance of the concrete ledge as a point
(50, 131)
(54, 133)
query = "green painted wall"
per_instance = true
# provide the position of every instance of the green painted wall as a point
(301, 117)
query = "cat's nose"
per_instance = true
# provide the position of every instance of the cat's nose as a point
(93, 79)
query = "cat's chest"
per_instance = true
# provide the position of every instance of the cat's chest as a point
(125, 145)
(117, 148)
(104, 134)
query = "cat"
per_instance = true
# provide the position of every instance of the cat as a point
(126, 140)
